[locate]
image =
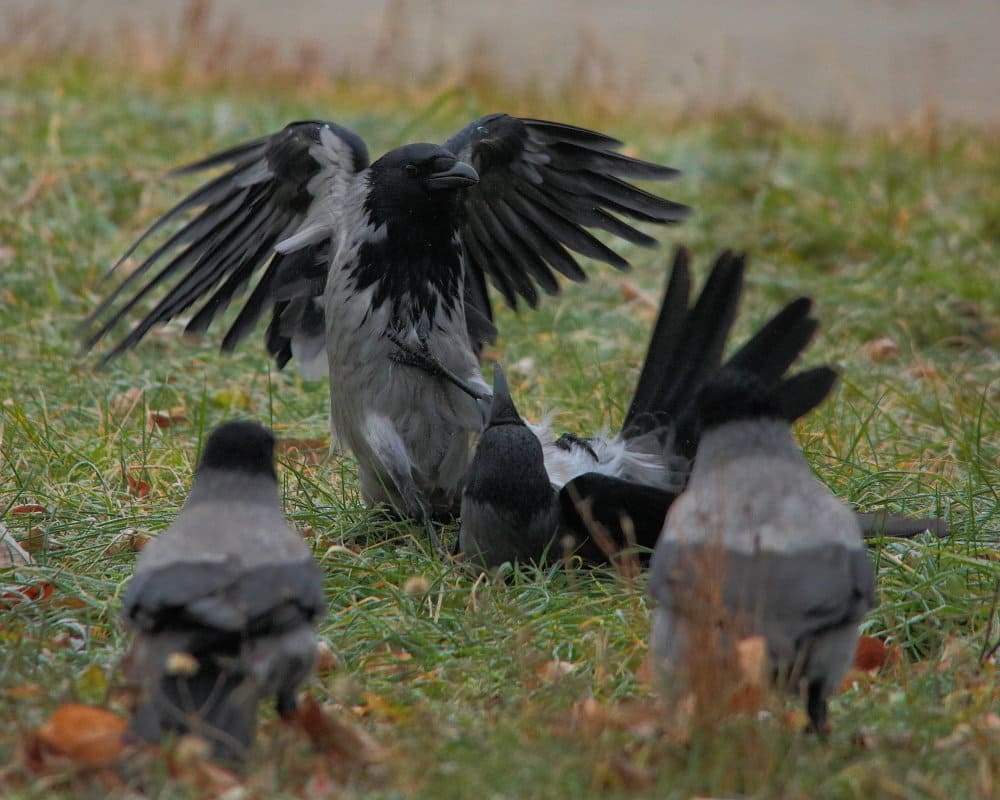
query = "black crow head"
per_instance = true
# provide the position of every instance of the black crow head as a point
(417, 176)
(241, 445)
(502, 410)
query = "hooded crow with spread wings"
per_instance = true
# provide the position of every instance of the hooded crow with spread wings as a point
(350, 259)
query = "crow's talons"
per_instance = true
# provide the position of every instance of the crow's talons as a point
(420, 356)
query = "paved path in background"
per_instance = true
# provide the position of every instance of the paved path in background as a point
(863, 60)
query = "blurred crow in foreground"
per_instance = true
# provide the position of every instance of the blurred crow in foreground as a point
(350, 258)
(223, 603)
(756, 546)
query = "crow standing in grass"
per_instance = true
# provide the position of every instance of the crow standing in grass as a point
(756, 546)
(352, 258)
(222, 603)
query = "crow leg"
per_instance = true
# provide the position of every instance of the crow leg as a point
(421, 357)
(816, 708)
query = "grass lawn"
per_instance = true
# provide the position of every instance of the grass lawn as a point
(526, 685)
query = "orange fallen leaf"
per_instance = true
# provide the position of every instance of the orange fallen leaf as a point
(880, 349)
(139, 489)
(309, 451)
(924, 372)
(326, 659)
(164, 419)
(12, 595)
(28, 508)
(632, 292)
(128, 541)
(871, 654)
(84, 734)
(36, 540)
(388, 663)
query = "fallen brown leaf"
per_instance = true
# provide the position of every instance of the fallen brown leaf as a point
(127, 541)
(332, 732)
(645, 673)
(954, 652)
(83, 734)
(139, 489)
(880, 349)
(28, 508)
(309, 451)
(11, 552)
(12, 595)
(164, 419)
(924, 372)
(36, 540)
(631, 292)
(326, 660)
(871, 654)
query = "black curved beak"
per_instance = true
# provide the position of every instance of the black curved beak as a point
(456, 176)
(502, 411)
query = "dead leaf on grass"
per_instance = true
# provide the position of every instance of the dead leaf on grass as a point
(30, 593)
(139, 489)
(79, 733)
(872, 655)
(127, 541)
(28, 508)
(37, 540)
(164, 419)
(631, 292)
(880, 349)
(333, 733)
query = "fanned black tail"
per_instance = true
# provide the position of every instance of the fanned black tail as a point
(687, 342)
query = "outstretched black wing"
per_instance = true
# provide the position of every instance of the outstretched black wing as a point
(542, 184)
(260, 200)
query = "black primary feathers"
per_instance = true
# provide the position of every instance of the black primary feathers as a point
(541, 185)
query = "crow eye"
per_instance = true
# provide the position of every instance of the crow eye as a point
(410, 170)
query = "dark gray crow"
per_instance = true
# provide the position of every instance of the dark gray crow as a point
(351, 259)
(223, 603)
(756, 546)
(509, 510)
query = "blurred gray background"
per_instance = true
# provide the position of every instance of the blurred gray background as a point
(862, 61)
